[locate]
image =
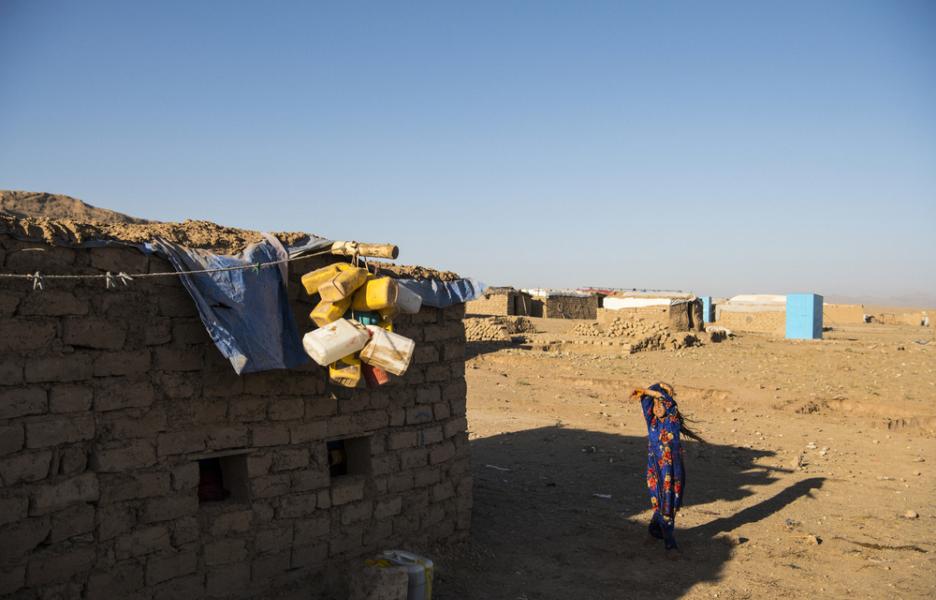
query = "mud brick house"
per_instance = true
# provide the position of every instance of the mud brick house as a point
(116, 408)
(676, 310)
(503, 301)
(563, 304)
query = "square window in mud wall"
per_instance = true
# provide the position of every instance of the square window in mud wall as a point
(349, 456)
(223, 478)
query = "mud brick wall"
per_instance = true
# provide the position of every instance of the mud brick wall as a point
(682, 316)
(765, 321)
(843, 314)
(108, 399)
(492, 304)
(565, 307)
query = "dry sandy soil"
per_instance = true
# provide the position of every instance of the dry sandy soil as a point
(817, 478)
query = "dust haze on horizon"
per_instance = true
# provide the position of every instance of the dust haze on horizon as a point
(725, 149)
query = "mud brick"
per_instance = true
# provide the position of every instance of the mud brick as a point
(179, 385)
(68, 367)
(119, 259)
(100, 334)
(180, 442)
(438, 373)
(56, 568)
(189, 331)
(284, 409)
(8, 302)
(23, 335)
(12, 438)
(53, 497)
(442, 453)
(117, 581)
(350, 490)
(309, 556)
(23, 401)
(179, 359)
(413, 459)
(455, 426)
(119, 487)
(176, 303)
(30, 466)
(185, 477)
(48, 259)
(164, 568)
(308, 432)
(324, 499)
(142, 542)
(209, 411)
(227, 437)
(13, 510)
(388, 508)
(297, 505)
(232, 523)
(71, 522)
(171, 507)
(418, 414)
(228, 580)
(431, 435)
(308, 530)
(443, 491)
(371, 420)
(270, 485)
(427, 476)
(222, 383)
(348, 541)
(128, 362)
(402, 439)
(270, 541)
(225, 552)
(42, 434)
(381, 465)
(453, 351)
(73, 460)
(441, 411)
(113, 520)
(263, 512)
(158, 332)
(65, 398)
(245, 409)
(135, 455)
(425, 354)
(309, 479)
(429, 394)
(21, 538)
(290, 459)
(55, 303)
(359, 511)
(11, 371)
(12, 579)
(321, 406)
(271, 435)
(341, 426)
(117, 393)
(185, 531)
(136, 426)
(433, 516)
(259, 464)
(397, 417)
(270, 566)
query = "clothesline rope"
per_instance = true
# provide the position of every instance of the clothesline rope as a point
(111, 279)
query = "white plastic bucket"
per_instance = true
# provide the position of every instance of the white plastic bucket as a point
(334, 341)
(420, 571)
(390, 351)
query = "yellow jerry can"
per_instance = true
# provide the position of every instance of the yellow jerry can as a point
(343, 284)
(328, 312)
(312, 280)
(346, 371)
(376, 294)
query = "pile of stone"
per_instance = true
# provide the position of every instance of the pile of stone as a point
(665, 340)
(496, 329)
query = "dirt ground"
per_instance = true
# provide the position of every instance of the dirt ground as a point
(817, 478)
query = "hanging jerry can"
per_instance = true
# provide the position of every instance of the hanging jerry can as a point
(389, 351)
(328, 344)
(343, 285)
(374, 376)
(346, 371)
(408, 301)
(366, 318)
(376, 294)
(328, 312)
(312, 280)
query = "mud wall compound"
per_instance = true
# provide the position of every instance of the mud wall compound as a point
(114, 404)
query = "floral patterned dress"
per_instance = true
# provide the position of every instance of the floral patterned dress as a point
(666, 477)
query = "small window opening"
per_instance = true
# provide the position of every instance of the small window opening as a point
(222, 478)
(349, 456)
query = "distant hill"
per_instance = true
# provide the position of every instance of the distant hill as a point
(57, 206)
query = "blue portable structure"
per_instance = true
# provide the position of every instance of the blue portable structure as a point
(804, 317)
(708, 309)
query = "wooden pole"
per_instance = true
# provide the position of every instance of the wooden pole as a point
(370, 250)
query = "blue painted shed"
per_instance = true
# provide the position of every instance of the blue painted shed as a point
(804, 317)
(708, 309)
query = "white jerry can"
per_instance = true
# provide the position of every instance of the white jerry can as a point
(419, 569)
(334, 341)
(390, 351)
(408, 301)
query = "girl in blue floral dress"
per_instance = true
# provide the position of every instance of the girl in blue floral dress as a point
(666, 477)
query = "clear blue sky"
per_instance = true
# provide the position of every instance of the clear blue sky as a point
(719, 147)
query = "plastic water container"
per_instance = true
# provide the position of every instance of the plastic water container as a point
(334, 341)
(313, 279)
(390, 351)
(408, 301)
(376, 294)
(328, 312)
(419, 569)
(346, 371)
(374, 376)
(343, 285)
